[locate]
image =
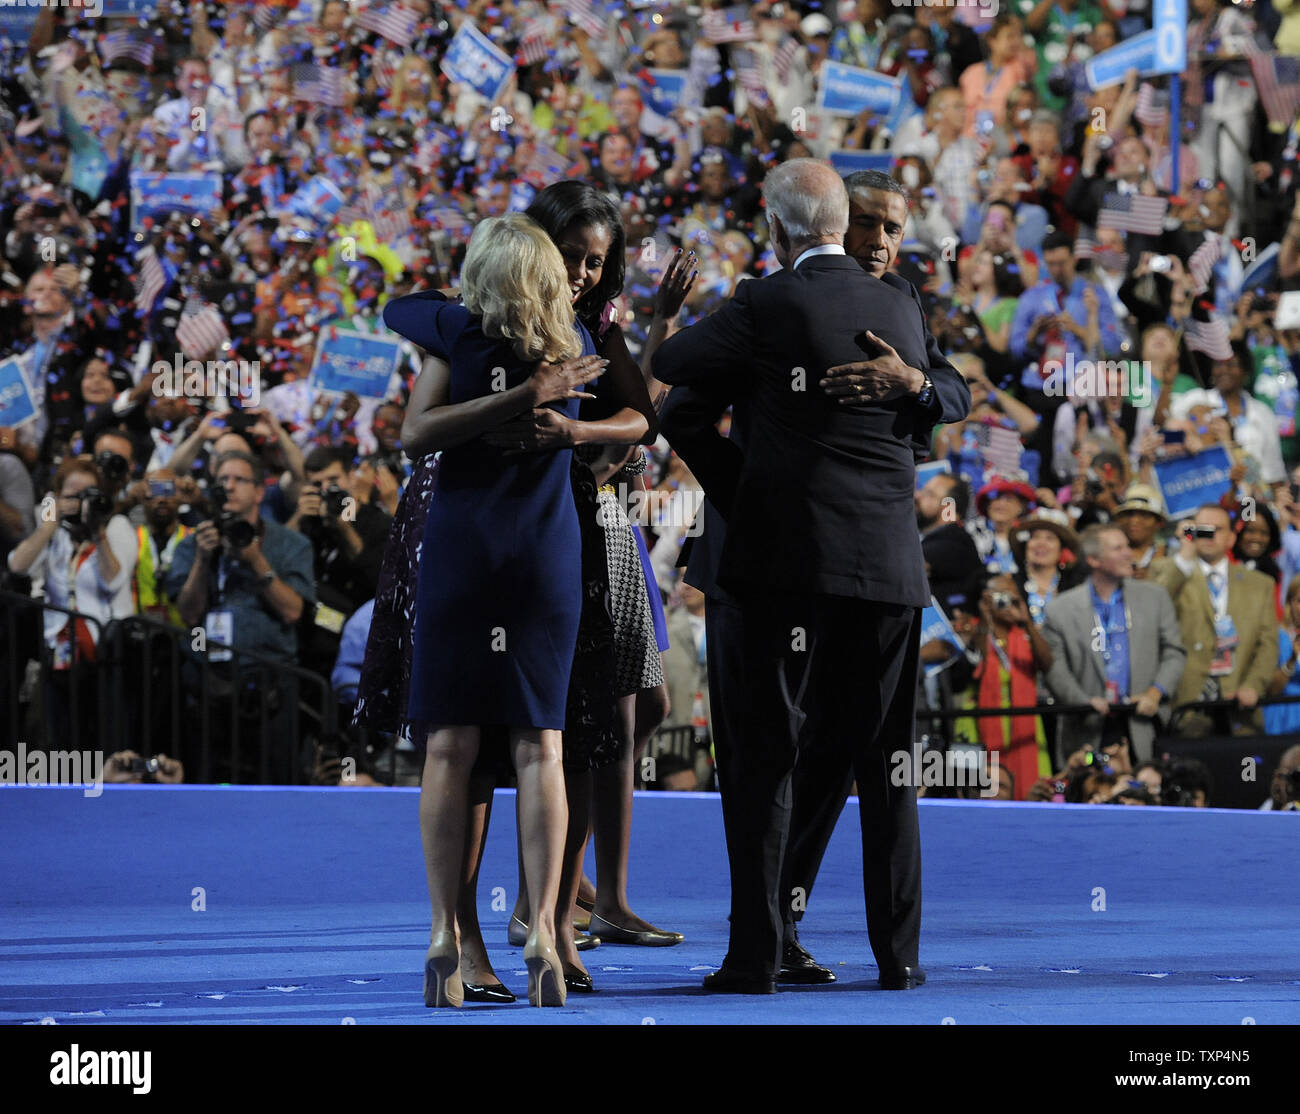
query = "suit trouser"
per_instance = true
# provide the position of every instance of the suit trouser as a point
(852, 665)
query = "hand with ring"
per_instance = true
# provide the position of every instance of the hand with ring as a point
(878, 380)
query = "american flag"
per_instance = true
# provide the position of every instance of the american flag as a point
(201, 331)
(1277, 77)
(728, 25)
(395, 22)
(1085, 243)
(533, 39)
(150, 281)
(1133, 212)
(1210, 337)
(318, 84)
(745, 65)
(127, 43)
(546, 165)
(783, 56)
(383, 208)
(1000, 447)
(451, 222)
(583, 13)
(1201, 264)
(1152, 108)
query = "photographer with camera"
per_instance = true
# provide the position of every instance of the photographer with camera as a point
(85, 555)
(246, 581)
(347, 531)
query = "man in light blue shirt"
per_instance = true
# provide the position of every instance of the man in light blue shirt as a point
(1062, 316)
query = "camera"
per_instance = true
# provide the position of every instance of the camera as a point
(147, 767)
(1092, 486)
(95, 509)
(1159, 264)
(1192, 531)
(1003, 599)
(334, 499)
(236, 530)
(113, 468)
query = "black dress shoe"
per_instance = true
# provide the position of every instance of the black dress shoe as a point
(798, 967)
(577, 980)
(905, 978)
(728, 982)
(613, 934)
(494, 992)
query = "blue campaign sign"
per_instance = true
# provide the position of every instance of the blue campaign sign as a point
(662, 89)
(16, 402)
(846, 161)
(17, 21)
(1135, 53)
(475, 60)
(129, 9)
(154, 194)
(847, 90)
(317, 198)
(926, 472)
(1188, 481)
(356, 362)
(935, 627)
(1170, 27)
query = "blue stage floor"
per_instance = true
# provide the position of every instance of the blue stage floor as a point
(316, 912)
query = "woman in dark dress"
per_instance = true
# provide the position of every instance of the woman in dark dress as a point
(497, 612)
(588, 230)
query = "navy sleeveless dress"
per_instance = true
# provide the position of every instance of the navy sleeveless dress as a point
(497, 608)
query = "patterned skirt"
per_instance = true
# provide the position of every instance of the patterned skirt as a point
(637, 664)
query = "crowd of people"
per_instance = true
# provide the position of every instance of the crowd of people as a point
(1117, 327)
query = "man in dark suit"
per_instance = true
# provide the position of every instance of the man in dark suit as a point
(812, 617)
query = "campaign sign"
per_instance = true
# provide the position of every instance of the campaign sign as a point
(1135, 53)
(318, 198)
(1170, 27)
(935, 627)
(847, 161)
(847, 90)
(17, 21)
(474, 60)
(16, 402)
(1188, 481)
(662, 89)
(356, 362)
(129, 9)
(158, 194)
(926, 472)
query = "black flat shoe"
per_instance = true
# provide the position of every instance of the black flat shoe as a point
(728, 982)
(799, 967)
(578, 981)
(612, 934)
(905, 978)
(488, 992)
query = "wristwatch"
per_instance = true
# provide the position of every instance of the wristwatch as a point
(925, 395)
(264, 581)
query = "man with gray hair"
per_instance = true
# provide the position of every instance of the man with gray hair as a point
(812, 621)
(1116, 645)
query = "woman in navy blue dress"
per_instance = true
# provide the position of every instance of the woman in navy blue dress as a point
(497, 612)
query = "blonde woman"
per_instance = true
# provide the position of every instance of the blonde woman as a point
(500, 589)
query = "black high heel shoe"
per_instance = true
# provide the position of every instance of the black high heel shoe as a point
(488, 992)
(578, 982)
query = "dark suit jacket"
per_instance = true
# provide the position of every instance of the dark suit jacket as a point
(816, 497)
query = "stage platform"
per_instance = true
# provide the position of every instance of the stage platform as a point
(314, 910)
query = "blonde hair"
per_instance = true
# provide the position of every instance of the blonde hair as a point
(515, 280)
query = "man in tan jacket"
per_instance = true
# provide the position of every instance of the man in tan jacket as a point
(1229, 626)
